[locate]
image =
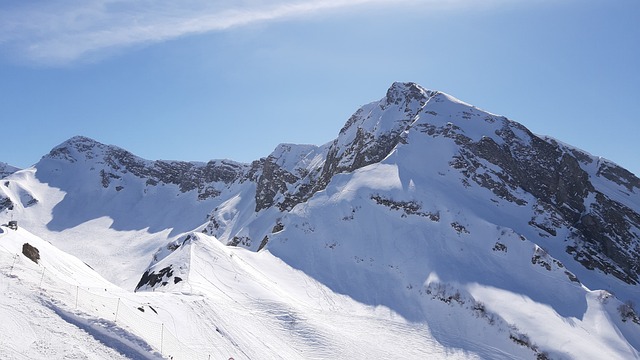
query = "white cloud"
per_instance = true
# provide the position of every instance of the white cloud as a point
(62, 32)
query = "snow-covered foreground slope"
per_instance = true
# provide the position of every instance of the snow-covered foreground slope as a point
(427, 228)
(230, 302)
(39, 312)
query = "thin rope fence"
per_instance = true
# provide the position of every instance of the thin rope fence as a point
(154, 331)
(100, 303)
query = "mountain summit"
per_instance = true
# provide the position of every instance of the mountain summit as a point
(445, 215)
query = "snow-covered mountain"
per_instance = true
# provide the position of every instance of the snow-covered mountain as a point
(426, 217)
(6, 169)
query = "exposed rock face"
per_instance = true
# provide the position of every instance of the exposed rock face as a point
(274, 180)
(609, 239)
(161, 277)
(605, 238)
(5, 203)
(287, 176)
(619, 176)
(6, 170)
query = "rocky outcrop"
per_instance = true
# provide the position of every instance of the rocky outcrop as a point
(161, 277)
(5, 203)
(31, 252)
(619, 176)
(273, 180)
(609, 240)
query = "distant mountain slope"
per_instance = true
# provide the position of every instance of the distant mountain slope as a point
(6, 169)
(423, 205)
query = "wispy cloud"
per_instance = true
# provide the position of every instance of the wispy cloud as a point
(61, 32)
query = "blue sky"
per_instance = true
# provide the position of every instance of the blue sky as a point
(196, 81)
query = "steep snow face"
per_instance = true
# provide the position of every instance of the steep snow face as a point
(299, 159)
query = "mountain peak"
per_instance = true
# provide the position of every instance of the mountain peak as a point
(80, 142)
(71, 149)
(406, 92)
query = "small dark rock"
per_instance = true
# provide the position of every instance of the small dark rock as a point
(31, 252)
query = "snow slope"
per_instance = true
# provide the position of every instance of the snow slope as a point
(231, 302)
(37, 324)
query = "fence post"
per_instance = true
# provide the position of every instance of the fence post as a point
(15, 258)
(117, 308)
(42, 278)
